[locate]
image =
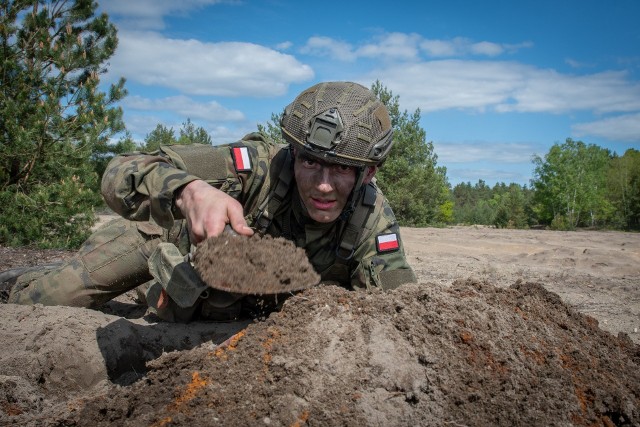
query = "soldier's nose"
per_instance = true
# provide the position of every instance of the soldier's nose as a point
(324, 180)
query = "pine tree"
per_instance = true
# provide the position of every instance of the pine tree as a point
(272, 129)
(416, 187)
(53, 118)
(192, 134)
(189, 133)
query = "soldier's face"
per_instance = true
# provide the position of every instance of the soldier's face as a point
(324, 188)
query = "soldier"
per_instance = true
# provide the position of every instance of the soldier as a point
(318, 191)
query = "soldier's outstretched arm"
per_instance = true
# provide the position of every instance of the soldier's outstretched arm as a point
(142, 186)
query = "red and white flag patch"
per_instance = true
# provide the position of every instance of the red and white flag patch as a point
(387, 242)
(241, 159)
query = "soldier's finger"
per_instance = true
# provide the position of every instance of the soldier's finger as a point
(196, 234)
(237, 221)
(214, 224)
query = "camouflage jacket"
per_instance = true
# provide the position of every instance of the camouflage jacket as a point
(142, 186)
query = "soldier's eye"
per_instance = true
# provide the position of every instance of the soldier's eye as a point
(342, 168)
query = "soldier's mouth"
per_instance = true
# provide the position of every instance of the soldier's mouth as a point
(321, 204)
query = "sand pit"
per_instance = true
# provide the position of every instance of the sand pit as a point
(480, 340)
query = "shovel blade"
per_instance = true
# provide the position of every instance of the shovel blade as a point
(253, 265)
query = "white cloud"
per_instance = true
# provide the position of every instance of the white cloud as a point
(620, 128)
(483, 151)
(326, 46)
(200, 68)
(446, 84)
(225, 135)
(403, 46)
(392, 46)
(486, 48)
(460, 46)
(185, 107)
(490, 161)
(141, 124)
(438, 48)
(284, 45)
(506, 87)
(577, 64)
(149, 14)
(551, 91)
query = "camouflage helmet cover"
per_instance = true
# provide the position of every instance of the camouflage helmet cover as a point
(339, 122)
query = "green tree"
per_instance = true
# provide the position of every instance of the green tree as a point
(161, 135)
(471, 203)
(104, 153)
(623, 189)
(188, 134)
(510, 206)
(503, 205)
(272, 129)
(53, 118)
(416, 187)
(570, 184)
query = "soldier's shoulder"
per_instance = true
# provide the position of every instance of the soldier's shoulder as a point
(262, 143)
(381, 217)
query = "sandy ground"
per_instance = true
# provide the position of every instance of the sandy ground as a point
(465, 346)
(596, 272)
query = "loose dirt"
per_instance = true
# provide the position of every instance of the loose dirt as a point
(505, 327)
(270, 266)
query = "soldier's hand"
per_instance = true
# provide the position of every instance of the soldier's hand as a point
(207, 211)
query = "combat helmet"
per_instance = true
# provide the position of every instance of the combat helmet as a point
(339, 122)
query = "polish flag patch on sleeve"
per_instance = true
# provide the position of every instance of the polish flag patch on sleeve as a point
(241, 159)
(387, 242)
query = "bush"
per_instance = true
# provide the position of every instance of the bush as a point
(561, 223)
(57, 215)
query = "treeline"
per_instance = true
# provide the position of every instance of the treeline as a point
(574, 185)
(584, 185)
(504, 206)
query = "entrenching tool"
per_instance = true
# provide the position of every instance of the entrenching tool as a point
(253, 265)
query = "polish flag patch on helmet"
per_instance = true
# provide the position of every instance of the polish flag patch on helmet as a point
(241, 159)
(387, 242)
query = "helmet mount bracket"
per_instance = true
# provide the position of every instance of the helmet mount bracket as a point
(325, 129)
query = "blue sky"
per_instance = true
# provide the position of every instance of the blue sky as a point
(496, 81)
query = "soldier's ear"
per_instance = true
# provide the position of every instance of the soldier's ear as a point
(370, 173)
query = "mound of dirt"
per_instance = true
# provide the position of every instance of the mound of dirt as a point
(424, 354)
(465, 346)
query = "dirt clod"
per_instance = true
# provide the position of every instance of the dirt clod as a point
(253, 265)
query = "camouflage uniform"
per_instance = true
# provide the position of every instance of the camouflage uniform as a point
(141, 189)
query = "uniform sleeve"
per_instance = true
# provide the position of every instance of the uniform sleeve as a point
(140, 186)
(380, 257)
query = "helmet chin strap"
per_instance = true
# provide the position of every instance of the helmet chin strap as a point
(356, 192)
